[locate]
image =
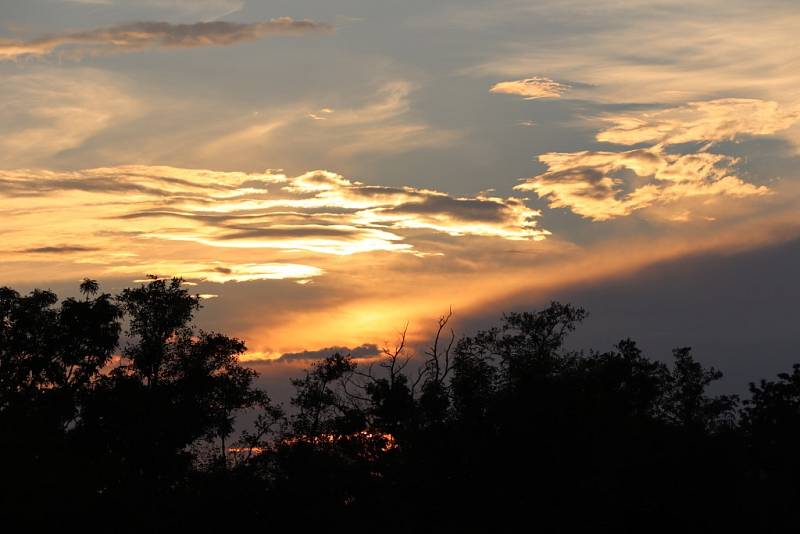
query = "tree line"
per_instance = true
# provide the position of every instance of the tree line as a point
(117, 414)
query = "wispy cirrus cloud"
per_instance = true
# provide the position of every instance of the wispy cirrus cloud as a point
(47, 113)
(144, 35)
(705, 121)
(196, 8)
(645, 51)
(531, 88)
(380, 124)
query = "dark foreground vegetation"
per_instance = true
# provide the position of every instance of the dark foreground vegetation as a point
(506, 431)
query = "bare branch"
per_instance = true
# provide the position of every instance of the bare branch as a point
(434, 364)
(447, 353)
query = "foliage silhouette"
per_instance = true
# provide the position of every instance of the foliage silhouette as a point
(501, 430)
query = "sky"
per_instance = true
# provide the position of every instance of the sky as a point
(326, 173)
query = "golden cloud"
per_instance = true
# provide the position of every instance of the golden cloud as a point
(219, 272)
(591, 184)
(531, 88)
(709, 121)
(603, 185)
(165, 220)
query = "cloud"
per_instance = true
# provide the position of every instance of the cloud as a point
(508, 218)
(531, 88)
(645, 51)
(366, 350)
(143, 35)
(236, 227)
(196, 8)
(57, 117)
(380, 125)
(708, 121)
(723, 71)
(603, 185)
(590, 183)
(47, 113)
(376, 300)
(220, 273)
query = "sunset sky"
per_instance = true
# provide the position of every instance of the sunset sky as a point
(327, 172)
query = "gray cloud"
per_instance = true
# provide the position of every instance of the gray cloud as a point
(464, 209)
(308, 231)
(59, 249)
(143, 35)
(362, 351)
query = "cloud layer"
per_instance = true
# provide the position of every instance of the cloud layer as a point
(236, 226)
(142, 35)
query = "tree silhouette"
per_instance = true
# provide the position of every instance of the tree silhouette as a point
(505, 429)
(80, 428)
(50, 357)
